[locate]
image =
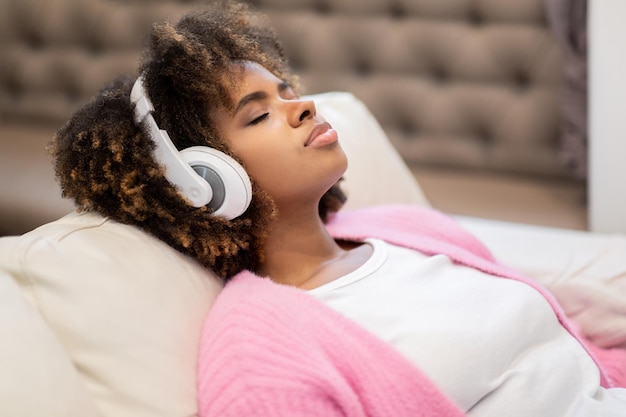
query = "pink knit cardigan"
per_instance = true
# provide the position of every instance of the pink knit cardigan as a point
(272, 350)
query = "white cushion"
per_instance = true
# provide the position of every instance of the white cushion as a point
(127, 310)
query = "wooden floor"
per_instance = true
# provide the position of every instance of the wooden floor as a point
(560, 204)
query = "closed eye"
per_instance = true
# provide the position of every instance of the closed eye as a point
(258, 119)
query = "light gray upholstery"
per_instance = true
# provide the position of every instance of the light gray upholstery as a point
(458, 85)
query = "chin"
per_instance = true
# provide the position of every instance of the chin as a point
(344, 160)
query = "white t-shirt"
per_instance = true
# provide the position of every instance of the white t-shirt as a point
(493, 345)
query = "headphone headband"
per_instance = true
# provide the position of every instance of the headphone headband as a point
(177, 171)
(198, 172)
(138, 96)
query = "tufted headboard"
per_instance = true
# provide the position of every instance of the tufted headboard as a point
(469, 91)
(463, 83)
(471, 84)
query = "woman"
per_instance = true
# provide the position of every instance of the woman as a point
(421, 321)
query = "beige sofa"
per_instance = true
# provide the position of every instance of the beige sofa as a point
(468, 92)
(100, 319)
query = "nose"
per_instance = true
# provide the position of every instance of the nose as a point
(302, 110)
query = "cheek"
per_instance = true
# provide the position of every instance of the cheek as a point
(265, 164)
(265, 169)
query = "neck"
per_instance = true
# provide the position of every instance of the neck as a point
(298, 247)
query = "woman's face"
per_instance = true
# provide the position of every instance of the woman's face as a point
(285, 146)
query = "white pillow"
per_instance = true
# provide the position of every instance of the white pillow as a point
(126, 308)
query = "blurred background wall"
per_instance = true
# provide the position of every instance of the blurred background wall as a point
(475, 94)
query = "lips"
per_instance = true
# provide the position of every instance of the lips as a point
(321, 135)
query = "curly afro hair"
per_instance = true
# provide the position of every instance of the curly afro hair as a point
(105, 162)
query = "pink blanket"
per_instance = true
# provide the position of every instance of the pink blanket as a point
(272, 350)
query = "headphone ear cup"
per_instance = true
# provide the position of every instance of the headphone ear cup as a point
(232, 191)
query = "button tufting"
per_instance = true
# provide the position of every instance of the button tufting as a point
(475, 17)
(33, 39)
(397, 11)
(521, 80)
(408, 128)
(434, 68)
(440, 75)
(362, 67)
(322, 7)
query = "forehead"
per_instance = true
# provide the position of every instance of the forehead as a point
(241, 79)
(252, 77)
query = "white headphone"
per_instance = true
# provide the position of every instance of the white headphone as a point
(203, 175)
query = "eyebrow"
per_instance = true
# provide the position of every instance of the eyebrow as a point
(259, 95)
